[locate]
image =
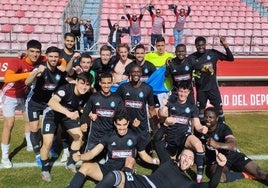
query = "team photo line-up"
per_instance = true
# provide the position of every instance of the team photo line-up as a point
(105, 114)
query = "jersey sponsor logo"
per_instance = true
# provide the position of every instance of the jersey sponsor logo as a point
(182, 77)
(133, 104)
(129, 142)
(61, 93)
(181, 120)
(105, 112)
(144, 78)
(49, 87)
(121, 153)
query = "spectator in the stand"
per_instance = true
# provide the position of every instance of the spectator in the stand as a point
(205, 66)
(115, 34)
(13, 96)
(179, 25)
(88, 34)
(134, 26)
(158, 24)
(74, 24)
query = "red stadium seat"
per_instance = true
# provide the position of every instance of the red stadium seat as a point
(28, 29)
(6, 28)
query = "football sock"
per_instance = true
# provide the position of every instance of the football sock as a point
(77, 181)
(233, 176)
(35, 139)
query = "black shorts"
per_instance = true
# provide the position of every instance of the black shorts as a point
(214, 97)
(177, 147)
(34, 110)
(134, 180)
(156, 102)
(236, 161)
(52, 120)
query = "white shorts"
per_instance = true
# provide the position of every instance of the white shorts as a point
(9, 105)
(162, 97)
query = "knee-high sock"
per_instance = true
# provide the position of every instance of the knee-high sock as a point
(77, 181)
(36, 139)
(112, 179)
(199, 160)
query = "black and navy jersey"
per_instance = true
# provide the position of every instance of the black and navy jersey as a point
(105, 107)
(183, 113)
(121, 147)
(135, 100)
(206, 81)
(48, 82)
(69, 99)
(66, 56)
(147, 69)
(180, 71)
(220, 134)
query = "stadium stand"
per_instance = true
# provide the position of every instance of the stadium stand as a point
(244, 22)
(27, 19)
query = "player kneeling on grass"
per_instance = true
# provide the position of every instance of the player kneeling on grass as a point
(121, 144)
(170, 173)
(220, 137)
(64, 109)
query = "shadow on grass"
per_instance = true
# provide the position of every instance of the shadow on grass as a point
(17, 149)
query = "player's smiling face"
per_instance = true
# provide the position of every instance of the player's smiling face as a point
(81, 87)
(106, 84)
(53, 58)
(183, 94)
(121, 126)
(181, 52)
(200, 47)
(135, 73)
(186, 159)
(210, 119)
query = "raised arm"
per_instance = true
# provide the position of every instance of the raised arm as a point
(34, 74)
(229, 54)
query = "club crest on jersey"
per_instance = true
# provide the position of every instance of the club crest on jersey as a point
(187, 110)
(141, 95)
(112, 104)
(208, 58)
(146, 71)
(216, 137)
(187, 68)
(57, 77)
(129, 142)
(61, 93)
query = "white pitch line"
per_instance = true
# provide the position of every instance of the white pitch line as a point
(25, 164)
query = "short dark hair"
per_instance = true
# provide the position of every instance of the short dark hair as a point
(139, 46)
(199, 38)
(106, 48)
(183, 84)
(106, 75)
(121, 115)
(34, 44)
(212, 109)
(86, 77)
(180, 45)
(85, 55)
(160, 39)
(53, 49)
(69, 35)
